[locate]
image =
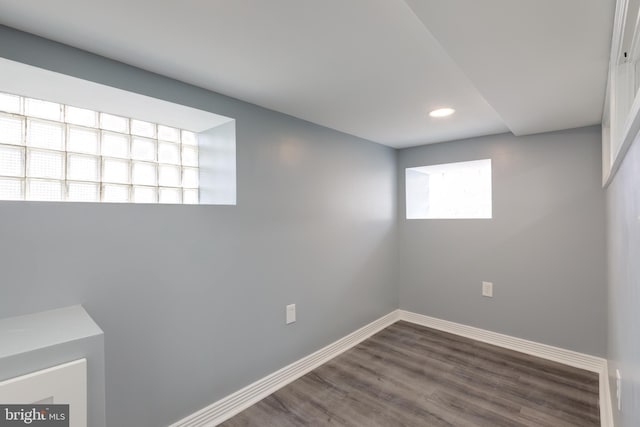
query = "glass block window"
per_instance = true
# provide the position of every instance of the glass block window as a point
(55, 152)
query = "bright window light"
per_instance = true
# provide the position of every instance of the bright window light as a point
(452, 190)
(56, 152)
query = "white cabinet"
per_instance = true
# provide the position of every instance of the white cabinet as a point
(621, 114)
(54, 357)
(66, 384)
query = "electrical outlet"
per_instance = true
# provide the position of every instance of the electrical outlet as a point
(619, 389)
(487, 289)
(291, 313)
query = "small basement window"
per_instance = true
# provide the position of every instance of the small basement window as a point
(68, 139)
(449, 191)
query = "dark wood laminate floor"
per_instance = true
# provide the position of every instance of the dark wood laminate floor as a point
(409, 375)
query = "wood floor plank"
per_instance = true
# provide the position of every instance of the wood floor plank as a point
(409, 375)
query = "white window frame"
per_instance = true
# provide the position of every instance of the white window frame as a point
(461, 190)
(621, 113)
(216, 132)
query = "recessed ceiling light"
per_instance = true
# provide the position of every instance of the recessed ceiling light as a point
(442, 112)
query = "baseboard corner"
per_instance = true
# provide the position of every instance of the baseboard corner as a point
(606, 405)
(544, 351)
(233, 404)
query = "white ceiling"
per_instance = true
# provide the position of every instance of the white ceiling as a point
(371, 68)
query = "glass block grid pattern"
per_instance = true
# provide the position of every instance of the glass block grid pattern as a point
(56, 152)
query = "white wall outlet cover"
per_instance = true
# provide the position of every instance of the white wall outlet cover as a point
(487, 289)
(291, 313)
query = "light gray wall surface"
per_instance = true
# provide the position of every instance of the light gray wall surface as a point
(544, 249)
(623, 234)
(191, 298)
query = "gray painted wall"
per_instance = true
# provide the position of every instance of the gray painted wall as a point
(191, 298)
(544, 249)
(623, 234)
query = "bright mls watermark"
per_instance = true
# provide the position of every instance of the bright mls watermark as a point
(34, 415)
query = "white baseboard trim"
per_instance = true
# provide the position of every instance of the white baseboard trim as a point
(567, 357)
(237, 402)
(544, 351)
(606, 408)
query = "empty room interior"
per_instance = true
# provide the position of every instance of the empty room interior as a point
(307, 213)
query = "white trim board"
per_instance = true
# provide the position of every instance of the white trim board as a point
(556, 354)
(606, 408)
(235, 403)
